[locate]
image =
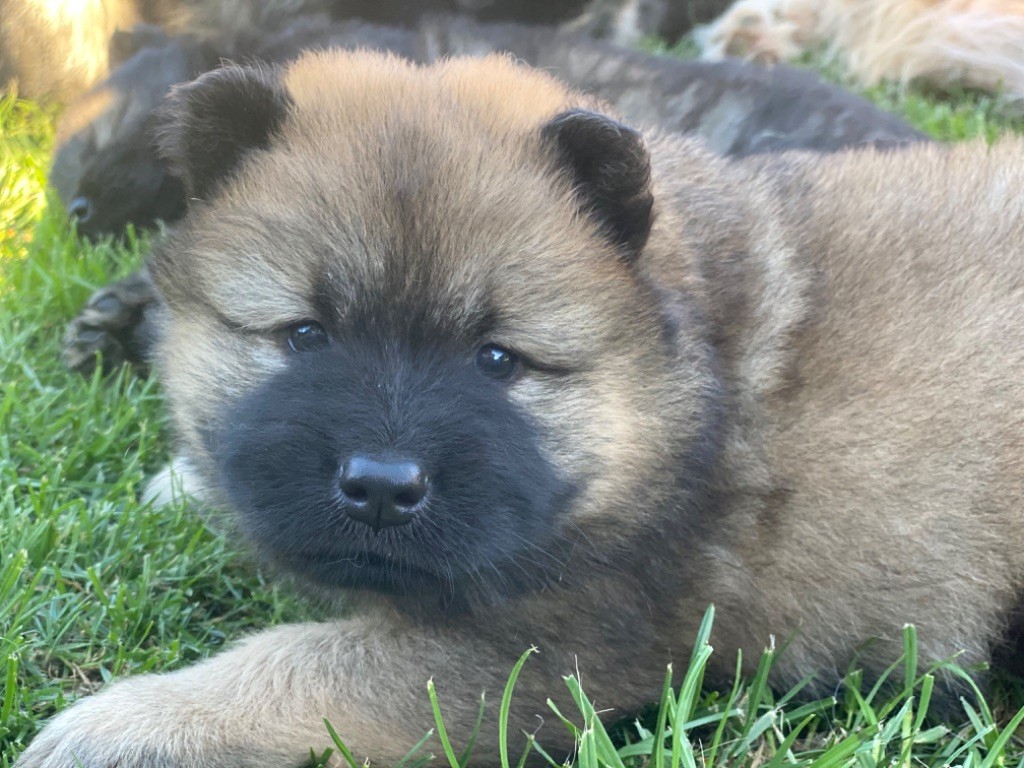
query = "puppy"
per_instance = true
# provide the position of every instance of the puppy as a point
(457, 342)
(973, 43)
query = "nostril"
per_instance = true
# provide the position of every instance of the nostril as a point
(80, 208)
(354, 491)
(410, 496)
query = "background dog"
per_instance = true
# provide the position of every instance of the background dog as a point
(973, 43)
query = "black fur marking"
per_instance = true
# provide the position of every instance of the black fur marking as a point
(209, 125)
(487, 531)
(128, 165)
(112, 159)
(611, 169)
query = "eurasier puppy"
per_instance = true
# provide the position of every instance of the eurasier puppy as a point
(511, 373)
(976, 43)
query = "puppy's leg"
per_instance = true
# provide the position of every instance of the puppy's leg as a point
(263, 703)
(117, 322)
(179, 480)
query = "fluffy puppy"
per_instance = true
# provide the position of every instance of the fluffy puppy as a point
(458, 343)
(973, 43)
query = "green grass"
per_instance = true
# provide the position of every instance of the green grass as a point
(93, 585)
(952, 115)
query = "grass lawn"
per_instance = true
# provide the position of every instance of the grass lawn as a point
(94, 586)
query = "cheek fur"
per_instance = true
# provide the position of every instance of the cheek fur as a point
(594, 428)
(205, 369)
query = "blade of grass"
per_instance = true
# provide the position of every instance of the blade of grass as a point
(475, 733)
(442, 733)
(658, 746)
(909, 659)
(342, 747)
(506, 705)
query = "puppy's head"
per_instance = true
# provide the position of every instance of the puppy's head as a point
(409, 338)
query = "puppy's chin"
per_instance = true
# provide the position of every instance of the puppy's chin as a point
(417, 565)
(425, 592)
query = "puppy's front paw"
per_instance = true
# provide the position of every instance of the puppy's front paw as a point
(113, 322)
(154, 722)
(119, 727)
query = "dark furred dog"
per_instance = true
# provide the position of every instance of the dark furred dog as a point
(458, 341)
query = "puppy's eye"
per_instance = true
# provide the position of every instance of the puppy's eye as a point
(496, 363)
(307, 336)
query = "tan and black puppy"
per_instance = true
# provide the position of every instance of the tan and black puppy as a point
(452, 340)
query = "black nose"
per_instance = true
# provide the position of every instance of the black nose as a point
(80, 208)
(382, 493)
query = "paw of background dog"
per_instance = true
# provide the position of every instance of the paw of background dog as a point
(112, 325)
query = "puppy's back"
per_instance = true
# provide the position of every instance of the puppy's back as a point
(894, 435)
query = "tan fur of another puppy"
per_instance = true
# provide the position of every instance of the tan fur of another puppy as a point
(973, 43)
(56, 49)
(858, 319)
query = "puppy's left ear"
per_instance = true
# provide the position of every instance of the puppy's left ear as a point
(611, 170)
(208, 126)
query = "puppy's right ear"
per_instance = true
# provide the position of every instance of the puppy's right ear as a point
(209, 125)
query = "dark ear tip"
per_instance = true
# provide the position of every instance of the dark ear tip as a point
(586, 121)
(205, 127)
(586, 134)
(611, 169)
(224, 80)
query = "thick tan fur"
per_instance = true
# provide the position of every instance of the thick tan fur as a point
(56, 49)
(856, 322)
(974, 43)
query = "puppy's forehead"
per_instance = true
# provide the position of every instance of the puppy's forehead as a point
(429, 186)
(352, 91)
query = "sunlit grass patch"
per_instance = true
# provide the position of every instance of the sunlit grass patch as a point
(26, 134)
